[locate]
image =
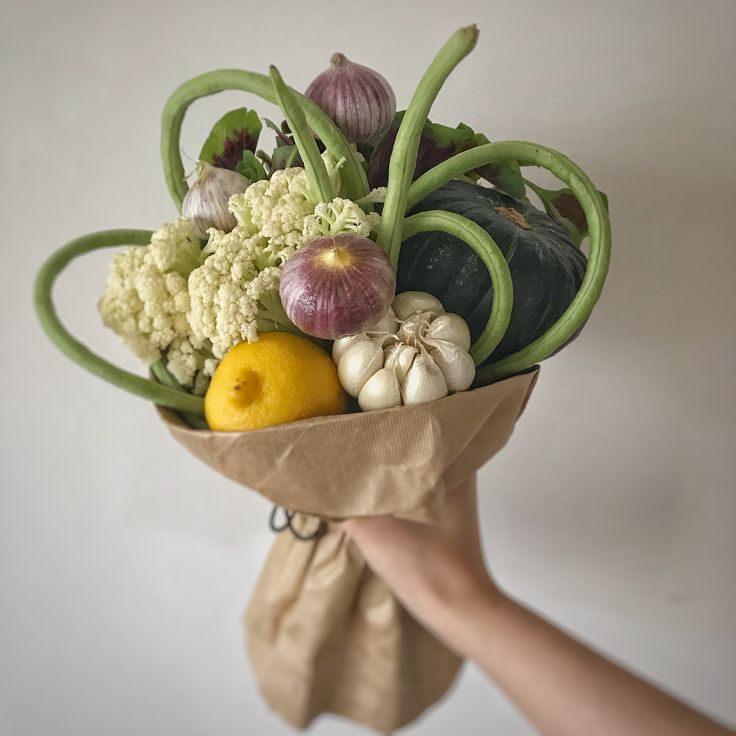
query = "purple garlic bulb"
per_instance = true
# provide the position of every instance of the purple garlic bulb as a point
(337, 285)
(358, 99)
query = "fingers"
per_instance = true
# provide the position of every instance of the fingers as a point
(460, 509)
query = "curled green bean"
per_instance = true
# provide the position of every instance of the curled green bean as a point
(210, 83)
(484, 245)
(599, 230)
(404, 154)
(78, 352)
(319, 180)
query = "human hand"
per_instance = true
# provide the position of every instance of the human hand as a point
(430, 567)
(562, 686)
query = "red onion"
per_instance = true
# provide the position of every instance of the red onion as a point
(358, 99)
(337, 285)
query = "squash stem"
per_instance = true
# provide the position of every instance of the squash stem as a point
(491, 255)
(599, 230)
(167, 396)
(319, 181)
(404, 154)
(353, 176)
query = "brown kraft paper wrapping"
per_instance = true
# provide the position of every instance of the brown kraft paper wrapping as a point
(324, 633)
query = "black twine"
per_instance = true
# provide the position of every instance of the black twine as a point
(288, 524)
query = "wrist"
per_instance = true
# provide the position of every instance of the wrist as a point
(454, 611)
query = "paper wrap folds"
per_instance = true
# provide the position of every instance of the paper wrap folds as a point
(324, 633)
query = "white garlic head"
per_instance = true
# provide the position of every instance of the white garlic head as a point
(416, 353)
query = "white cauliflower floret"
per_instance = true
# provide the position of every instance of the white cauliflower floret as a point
(338, 216)
(175, 247)
(234, 294)
(146, 300)
(374, 196)
(275, 208)
(190, 365)
(279, 208)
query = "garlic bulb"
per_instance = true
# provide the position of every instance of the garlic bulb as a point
(337, 285)
(206, 202)
(358, 99)
(415, 353)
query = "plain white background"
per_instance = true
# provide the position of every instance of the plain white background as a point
(125, 565)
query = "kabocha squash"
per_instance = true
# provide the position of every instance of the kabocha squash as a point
(546, 266)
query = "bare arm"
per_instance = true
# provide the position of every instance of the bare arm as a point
(563, 687)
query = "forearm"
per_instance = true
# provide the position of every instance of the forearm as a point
(560, 685)
(563, 688)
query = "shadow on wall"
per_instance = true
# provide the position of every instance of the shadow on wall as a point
(618, 476)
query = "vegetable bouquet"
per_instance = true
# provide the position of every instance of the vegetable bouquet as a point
(349, 324)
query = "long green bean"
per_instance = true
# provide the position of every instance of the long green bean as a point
(404, 154)
(599, 229)
(484, 245)
(319, 180)
(80, 353)
(210, 83)
(162, 375)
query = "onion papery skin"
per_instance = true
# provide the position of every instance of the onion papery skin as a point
(337, 286)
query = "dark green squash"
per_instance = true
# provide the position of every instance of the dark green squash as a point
(547, 268)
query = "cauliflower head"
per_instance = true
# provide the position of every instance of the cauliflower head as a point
(145, 299)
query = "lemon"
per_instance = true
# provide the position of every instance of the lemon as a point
(280, 378)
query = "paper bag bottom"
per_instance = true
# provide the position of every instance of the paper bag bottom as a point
(325, 635)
